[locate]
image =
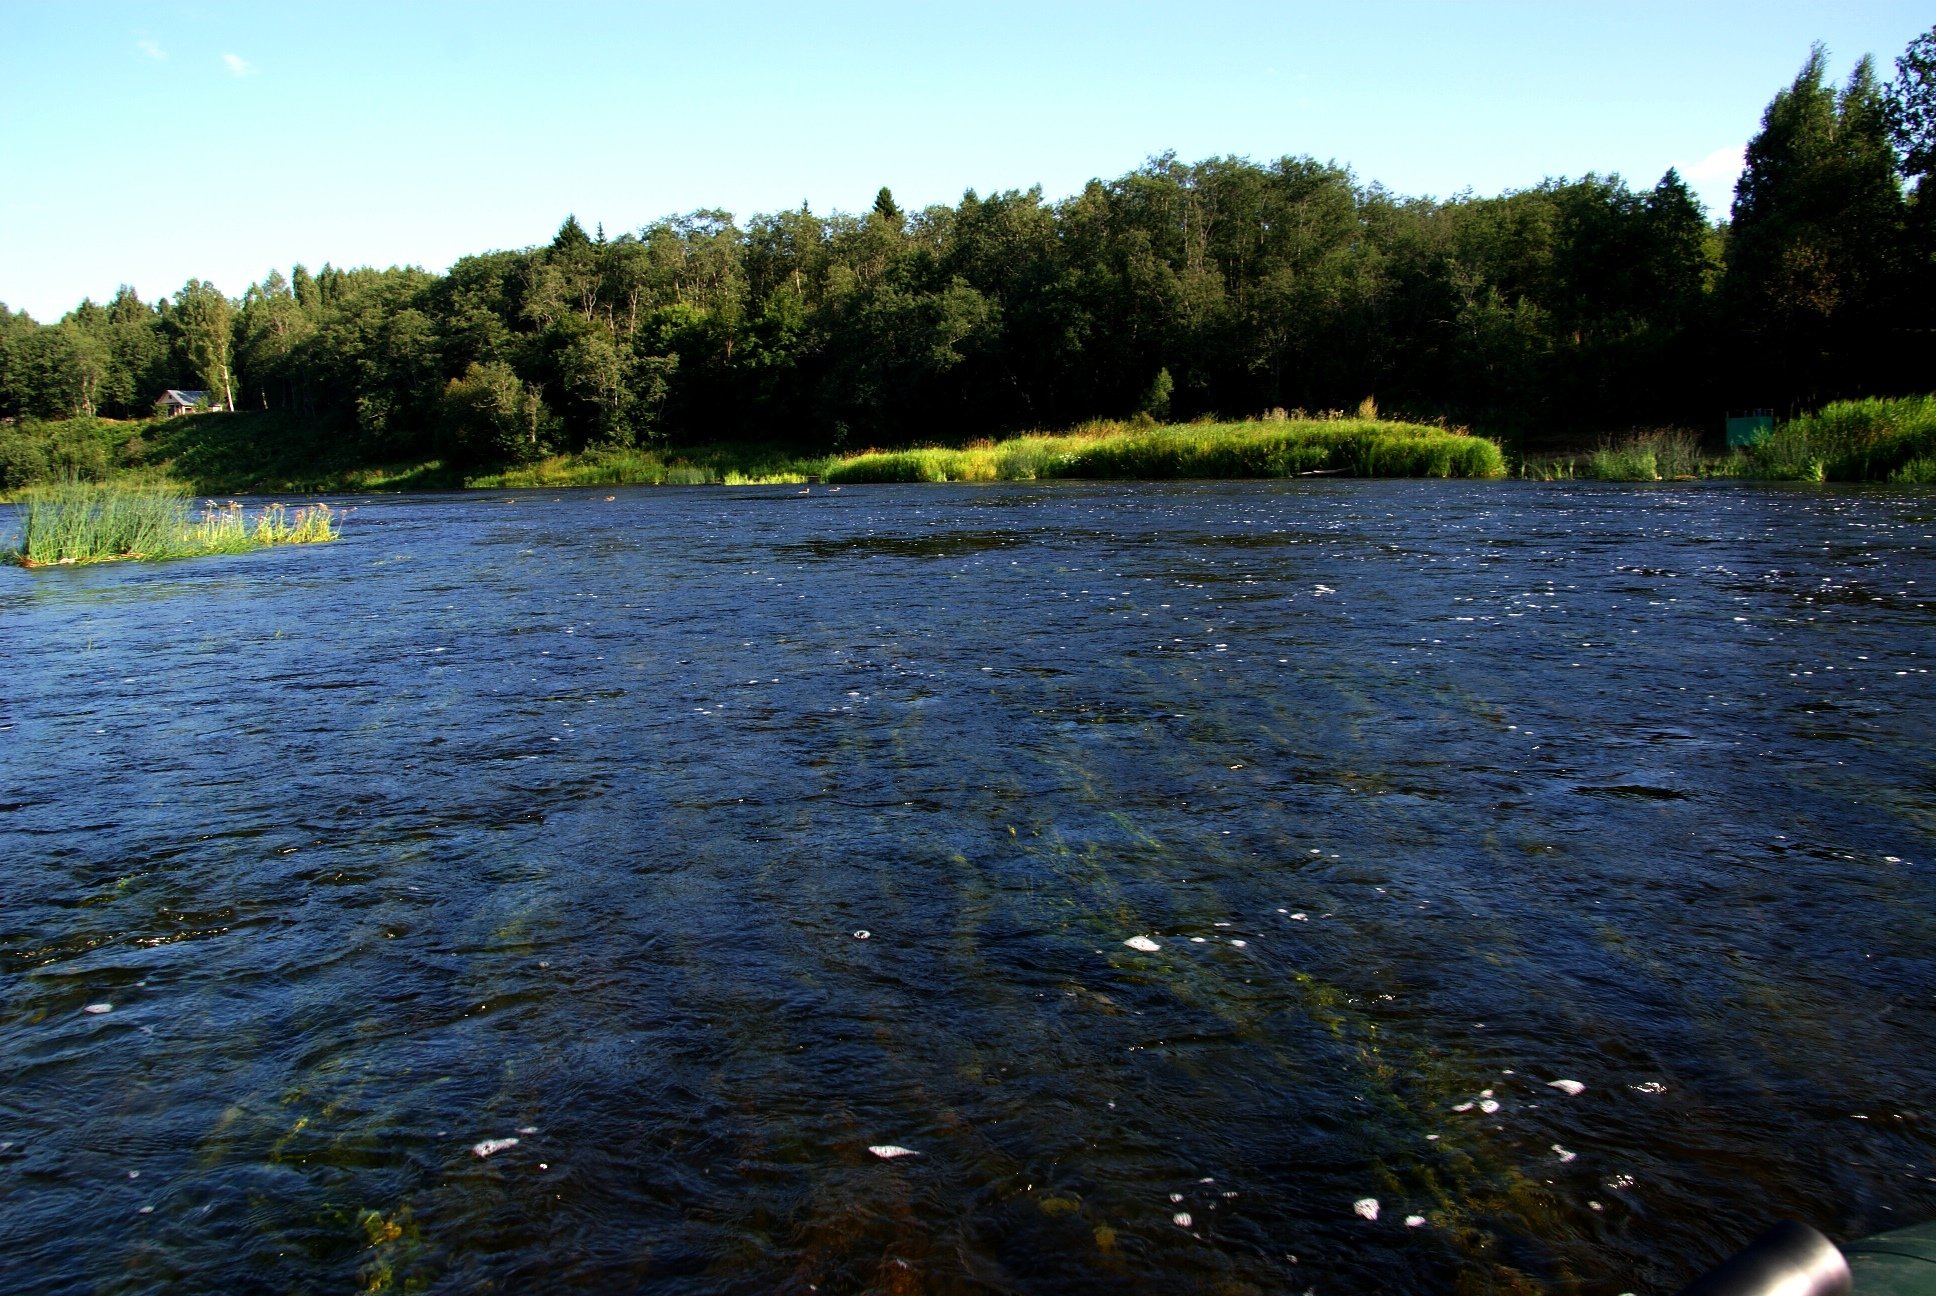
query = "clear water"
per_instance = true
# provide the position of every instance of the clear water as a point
(558, 817)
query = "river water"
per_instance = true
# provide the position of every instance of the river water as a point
(708, 843)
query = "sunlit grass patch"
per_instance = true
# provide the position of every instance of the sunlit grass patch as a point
(1364, 447)
(726, 465)
(1857, 440)
(81, 522)
(1653, 454)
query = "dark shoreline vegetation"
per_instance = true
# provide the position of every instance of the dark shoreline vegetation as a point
(1585, 327)
(217, 454)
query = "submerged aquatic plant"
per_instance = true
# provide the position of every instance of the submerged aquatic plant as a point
(80, 522)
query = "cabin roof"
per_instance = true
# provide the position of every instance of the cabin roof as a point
(175, 396)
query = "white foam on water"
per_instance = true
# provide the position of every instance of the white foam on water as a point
(863, 934)
(1181, 1219)
(98, 1008)
(1563, 1154)
(1571, 1088)
(491, 1147)
(888, 1151)
(1414, 1221)
(1365, 1208)
(1143, 943)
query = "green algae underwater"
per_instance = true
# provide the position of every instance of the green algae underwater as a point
(619, 887)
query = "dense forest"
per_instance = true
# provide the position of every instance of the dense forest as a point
(1226, 287)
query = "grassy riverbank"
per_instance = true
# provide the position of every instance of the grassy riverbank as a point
(1892, 440)
(226, 454)
(206, 454)
(1360, 447)
(84, 522)
(715, 465)
(1865, 440)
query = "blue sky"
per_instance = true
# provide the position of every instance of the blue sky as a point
(150, 142)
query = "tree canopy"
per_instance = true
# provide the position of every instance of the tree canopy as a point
(1179, 289)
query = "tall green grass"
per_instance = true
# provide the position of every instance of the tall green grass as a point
(1362, 447)
(627, 466)
(1859, 440)
(1654, 454)
(79, 521)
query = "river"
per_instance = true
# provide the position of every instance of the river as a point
(598, 890)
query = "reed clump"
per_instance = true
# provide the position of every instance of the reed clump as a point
(632, 466)
(1652, 454)
(1269, 447)
(83, 522)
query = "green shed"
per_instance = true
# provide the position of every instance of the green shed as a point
(1750, 428)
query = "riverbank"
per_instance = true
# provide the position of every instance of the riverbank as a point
(1359, 447)
(268, 453)
(227, 454)
(1877, 439)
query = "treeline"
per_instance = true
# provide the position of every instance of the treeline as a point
(1221, 287)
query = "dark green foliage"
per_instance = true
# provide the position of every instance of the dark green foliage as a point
(490, 417)
(1912, 106)
(1559, 313)
(1817, 250)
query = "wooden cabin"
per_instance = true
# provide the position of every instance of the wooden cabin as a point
(181, 402)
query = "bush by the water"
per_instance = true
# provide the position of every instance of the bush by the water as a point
(1858, 440)
(1361, 447)
(78, 521)
(1655, 454)
(728, 465)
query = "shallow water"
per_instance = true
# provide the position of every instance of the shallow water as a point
(559, 818)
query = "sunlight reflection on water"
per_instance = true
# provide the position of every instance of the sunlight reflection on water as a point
(1171, 868)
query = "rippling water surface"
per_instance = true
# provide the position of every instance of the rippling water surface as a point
(701, 841)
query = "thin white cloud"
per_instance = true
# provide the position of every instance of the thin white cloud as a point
(151, 49)
(1723, 164)
(238, 65)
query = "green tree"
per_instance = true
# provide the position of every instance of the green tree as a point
(204, 320)
(1816, 246)
(269, 328)
(137, 370)
(1912, 106)
(490, 416)
(1912, 123)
